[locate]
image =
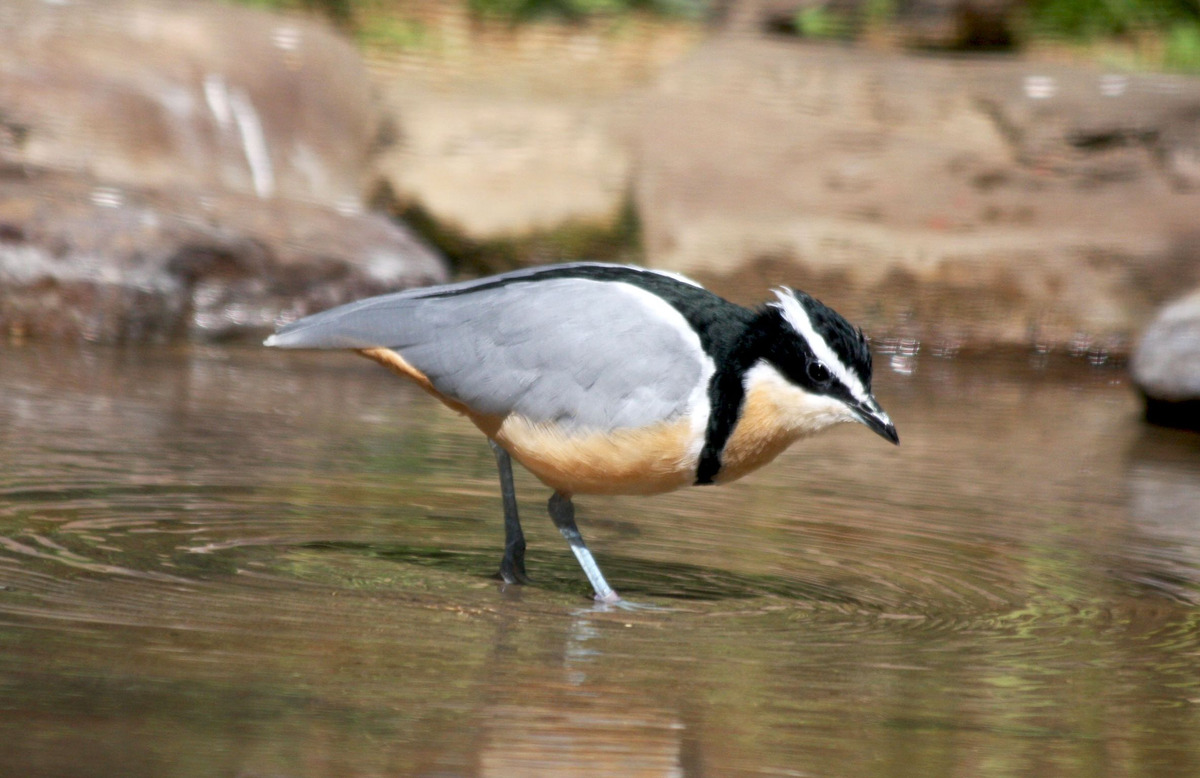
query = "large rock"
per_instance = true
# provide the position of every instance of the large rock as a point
(199, 95)
(966, 202)
(82, 259)
(184, 169)
(1166, 364)
(501, 166)
(505, 132)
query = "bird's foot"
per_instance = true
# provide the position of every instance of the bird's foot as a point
(513, 572)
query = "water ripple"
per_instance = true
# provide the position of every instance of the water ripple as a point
(1015, 582)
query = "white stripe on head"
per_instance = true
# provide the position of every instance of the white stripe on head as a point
(795, 315)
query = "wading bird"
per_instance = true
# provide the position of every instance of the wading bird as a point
(607, 379)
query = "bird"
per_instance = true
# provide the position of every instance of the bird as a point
(612, 379)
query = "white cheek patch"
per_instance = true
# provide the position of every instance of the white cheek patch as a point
(796, 316)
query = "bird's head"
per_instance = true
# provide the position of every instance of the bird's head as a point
(817, 352)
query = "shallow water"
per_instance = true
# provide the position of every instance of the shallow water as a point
(230, 561)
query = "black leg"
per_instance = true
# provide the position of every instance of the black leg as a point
(512, 566)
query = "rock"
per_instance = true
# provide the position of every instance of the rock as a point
(971, 203)
(172, 169)
(503, 166)
(1166, 364)
(508, 133)
(185, 95)
(1089, 128)
(81, 259)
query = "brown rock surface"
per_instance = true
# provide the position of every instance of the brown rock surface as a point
(184, 94)
(966, 202)
(973, 202)
(84, 259)
(176, 169)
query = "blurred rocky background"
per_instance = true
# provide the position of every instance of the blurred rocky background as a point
(955, 175)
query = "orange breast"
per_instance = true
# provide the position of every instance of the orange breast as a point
(646, 460)
(760, 434)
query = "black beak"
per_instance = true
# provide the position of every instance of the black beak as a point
(870, 414)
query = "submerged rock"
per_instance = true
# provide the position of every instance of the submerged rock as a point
(1166, 365)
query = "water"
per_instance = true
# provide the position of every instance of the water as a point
(235, 562)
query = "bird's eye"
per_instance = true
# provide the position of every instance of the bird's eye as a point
(817, 372)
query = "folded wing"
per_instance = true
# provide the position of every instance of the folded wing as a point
(579, 352)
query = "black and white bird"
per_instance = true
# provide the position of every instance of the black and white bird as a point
(608, 379)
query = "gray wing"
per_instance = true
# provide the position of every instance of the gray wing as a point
(580, 352)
